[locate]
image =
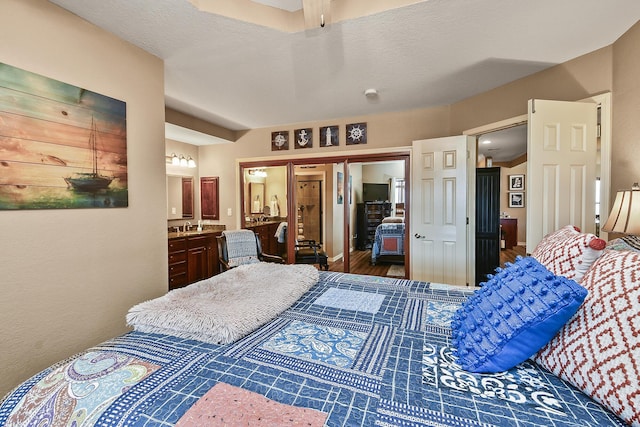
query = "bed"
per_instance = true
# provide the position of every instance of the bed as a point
(354, 350)
(388, 242)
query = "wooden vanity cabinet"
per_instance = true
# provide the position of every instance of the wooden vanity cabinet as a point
(197, 258)
(192, 258)
(266, 233)
(510, 232)
(177, 263)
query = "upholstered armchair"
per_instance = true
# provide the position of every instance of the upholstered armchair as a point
(238, 247)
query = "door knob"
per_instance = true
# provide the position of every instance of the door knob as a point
(418, 236)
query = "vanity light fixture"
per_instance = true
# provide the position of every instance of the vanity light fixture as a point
(186, 162)
(260, 173)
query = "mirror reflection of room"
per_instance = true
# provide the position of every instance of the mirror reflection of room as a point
(378, 220)
(265, 190)
(180, 197)
(319, 199)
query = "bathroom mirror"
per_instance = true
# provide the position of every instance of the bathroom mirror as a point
(256, 193)
(179, 197)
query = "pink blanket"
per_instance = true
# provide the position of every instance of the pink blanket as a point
(226, 405)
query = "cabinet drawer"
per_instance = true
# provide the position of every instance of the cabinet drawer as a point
(177, 268)
(177, 245)
(176, 257)
(178, 281)
(198, 242)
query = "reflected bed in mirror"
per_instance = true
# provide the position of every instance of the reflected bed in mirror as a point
(179, 197)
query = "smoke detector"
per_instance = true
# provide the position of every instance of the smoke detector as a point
(371, 93)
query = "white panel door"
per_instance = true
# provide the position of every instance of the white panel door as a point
(439, 238)
(561, 167)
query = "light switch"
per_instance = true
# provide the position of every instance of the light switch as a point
(173, 211)
(229, 212)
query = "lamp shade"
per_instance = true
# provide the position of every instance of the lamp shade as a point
(625, 214)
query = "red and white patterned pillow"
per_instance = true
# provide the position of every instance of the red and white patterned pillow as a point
(568, 252)
(598, 350)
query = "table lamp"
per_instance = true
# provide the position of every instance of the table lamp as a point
(625, 214)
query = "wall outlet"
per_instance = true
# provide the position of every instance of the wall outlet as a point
(229, 212)
(174, 211)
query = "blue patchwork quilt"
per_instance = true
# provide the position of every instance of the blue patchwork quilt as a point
(388, 240)
(364, 350)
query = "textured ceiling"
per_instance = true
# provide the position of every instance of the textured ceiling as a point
(432, 53)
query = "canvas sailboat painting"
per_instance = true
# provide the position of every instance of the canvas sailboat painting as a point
(61, 146)
(90, 181)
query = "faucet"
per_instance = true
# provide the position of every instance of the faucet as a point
(186, 227)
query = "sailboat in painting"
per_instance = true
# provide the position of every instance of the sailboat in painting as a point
(90, 181)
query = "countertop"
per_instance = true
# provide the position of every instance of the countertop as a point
(192, 233)
(259, 223)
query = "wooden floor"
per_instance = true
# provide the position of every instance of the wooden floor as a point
(361, 262)
(509, 255)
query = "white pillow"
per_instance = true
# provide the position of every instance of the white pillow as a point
(392, 220)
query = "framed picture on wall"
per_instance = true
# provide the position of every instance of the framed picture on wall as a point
(339, 185)
(516, 200)
(329, 136)
(516, 182)
(280, 140)
(356, 133)
(304, 138)
(75, 158)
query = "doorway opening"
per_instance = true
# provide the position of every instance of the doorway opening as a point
(602, 167)
(500, 222)
(309, 219)
(320, 199)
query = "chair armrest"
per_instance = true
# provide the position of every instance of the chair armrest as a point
(308, 244)
(225, 265)
(271, 258)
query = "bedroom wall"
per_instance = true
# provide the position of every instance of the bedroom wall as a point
(69, 276)
(626, 110)
(614, 68)
(576, 79)
(383, 131)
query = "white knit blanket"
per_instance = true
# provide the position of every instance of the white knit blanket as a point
(225, 307)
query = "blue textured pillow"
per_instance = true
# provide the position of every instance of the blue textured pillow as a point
(512, 316)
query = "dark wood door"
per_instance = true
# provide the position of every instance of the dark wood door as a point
(209, 198)
(197, 259)
(487, 222)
